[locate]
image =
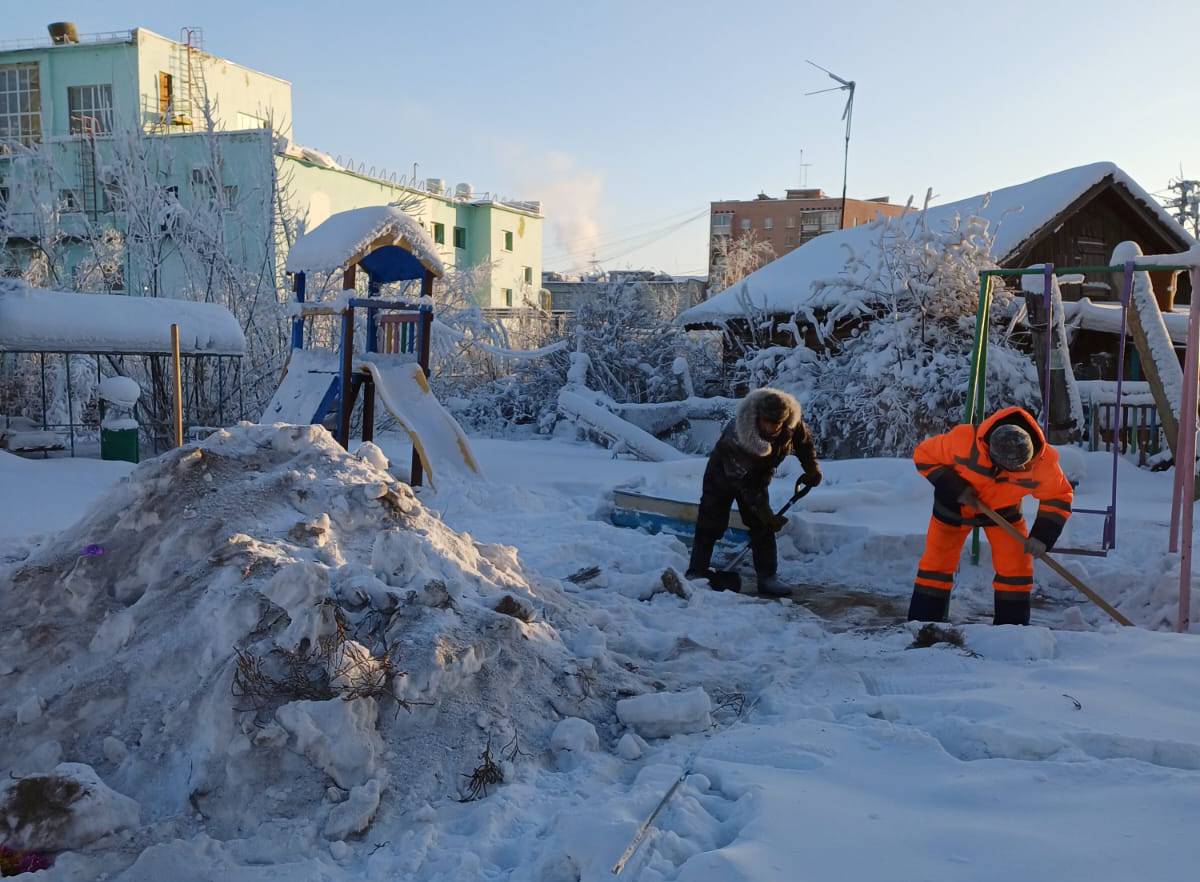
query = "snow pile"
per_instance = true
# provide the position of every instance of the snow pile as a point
(268, 638)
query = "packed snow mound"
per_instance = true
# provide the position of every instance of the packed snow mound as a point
(265, 636)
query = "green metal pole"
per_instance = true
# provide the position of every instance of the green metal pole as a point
(977, 391)
(985, 286)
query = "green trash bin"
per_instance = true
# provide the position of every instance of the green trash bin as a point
(118, 427)
(119, 440)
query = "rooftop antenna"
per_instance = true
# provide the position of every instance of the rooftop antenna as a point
(847, 115)
(803, 169)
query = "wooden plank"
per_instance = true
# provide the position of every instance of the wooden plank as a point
(1150, 366)
(674, 508)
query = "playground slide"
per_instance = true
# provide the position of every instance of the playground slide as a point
(305, 388)
(438, 438)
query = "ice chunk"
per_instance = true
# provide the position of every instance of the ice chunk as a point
(338, 737)
(355, 814)
(574, 735)
(1010, 642)
(370, 452)
(662, 714)
(630, 747)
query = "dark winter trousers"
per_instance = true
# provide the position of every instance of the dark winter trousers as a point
(716, 501)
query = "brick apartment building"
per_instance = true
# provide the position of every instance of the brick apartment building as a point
(789, 222)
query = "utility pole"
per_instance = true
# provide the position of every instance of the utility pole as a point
(1186, 206)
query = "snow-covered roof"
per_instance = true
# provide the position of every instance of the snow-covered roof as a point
(1106, 318)
(38, 320)
(1015, 214)
(344, 238)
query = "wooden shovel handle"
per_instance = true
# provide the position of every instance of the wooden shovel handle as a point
(1055, 565)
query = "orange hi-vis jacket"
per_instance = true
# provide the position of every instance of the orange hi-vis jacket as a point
(960, 458)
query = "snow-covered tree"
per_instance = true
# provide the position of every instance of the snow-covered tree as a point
(735, 257)
(893, 358)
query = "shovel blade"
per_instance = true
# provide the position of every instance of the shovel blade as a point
(725, 580)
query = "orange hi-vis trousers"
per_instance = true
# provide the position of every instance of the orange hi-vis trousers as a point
(943, 548)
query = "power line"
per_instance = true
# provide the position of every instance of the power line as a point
(646, 239)
(639, 241)
(606, 240)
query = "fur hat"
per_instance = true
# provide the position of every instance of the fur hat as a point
(1010, 447)
(773, 405)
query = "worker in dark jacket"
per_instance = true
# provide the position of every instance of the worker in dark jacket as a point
(998, 463)
(767, 427)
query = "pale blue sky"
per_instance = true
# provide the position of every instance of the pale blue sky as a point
(629, 117)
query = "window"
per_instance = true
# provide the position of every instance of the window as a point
(439, 233)
(89, 109)
(460, 237)
(508, 297)
(166, 94)
(508, 240)
(745, 223)
(791, 222)
(3, 196)
(20, 104)
(231, 195)
(791, 240)
(111, 196)
(203, 183)
(70, 200)
(829, 220)
(528, 275)
(769, 223)
(722, 224)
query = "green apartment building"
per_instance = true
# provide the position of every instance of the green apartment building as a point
(77, 112)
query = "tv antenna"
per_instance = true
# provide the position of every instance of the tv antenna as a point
(848, 115)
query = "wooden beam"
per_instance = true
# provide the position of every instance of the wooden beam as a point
(1166, 407)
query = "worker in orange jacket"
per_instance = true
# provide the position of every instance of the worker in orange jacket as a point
(997, 463)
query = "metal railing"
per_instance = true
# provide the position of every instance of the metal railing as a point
(124, 36)
(1137, 431)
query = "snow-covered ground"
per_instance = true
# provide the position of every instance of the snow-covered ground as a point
(1069, 749)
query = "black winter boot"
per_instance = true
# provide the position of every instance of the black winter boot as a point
(1012, 608)
(929, 606)
(770, 586)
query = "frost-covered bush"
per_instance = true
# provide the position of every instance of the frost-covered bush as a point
(894, 356)
(632, 346)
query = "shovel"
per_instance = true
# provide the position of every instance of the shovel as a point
(728, 579)
(1045, 558)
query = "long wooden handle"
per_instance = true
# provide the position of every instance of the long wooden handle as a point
(1054, 565)
(177, 382)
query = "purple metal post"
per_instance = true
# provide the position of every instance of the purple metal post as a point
(1048, 271)
(1110, 526)
(1185, 454)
